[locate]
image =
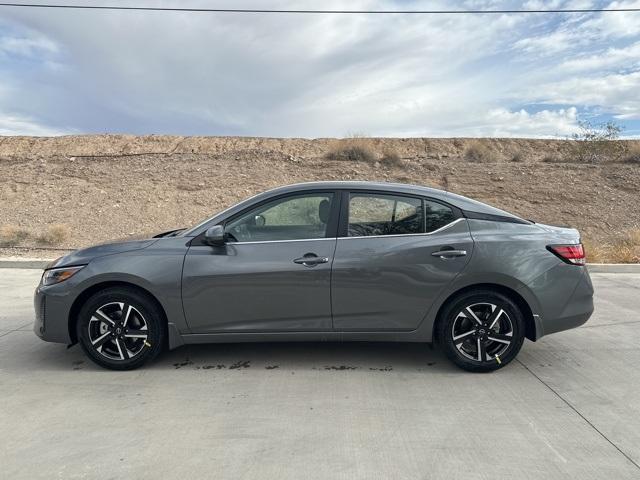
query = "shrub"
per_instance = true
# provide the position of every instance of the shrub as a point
(595, 253)
(477, 152)
(356, 149)
(598, 142)
(632, 154)
(10, 235)
(55, 235)
(391, 158)
(624, 254)
(624, 249)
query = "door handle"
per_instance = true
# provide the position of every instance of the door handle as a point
(449, 253)
(310, 260)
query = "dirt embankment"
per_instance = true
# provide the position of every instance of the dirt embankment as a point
(111, 186)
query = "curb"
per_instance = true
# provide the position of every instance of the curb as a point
(39, 264)
(25, 263)
(613, 267)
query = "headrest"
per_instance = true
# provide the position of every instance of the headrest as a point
(323, 210)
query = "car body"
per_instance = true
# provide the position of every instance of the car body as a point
(342, 261)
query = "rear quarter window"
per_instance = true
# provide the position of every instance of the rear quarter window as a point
(437, 215)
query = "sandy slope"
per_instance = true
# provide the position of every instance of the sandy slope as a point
(106, 187)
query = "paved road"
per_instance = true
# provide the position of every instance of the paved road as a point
(568, 408)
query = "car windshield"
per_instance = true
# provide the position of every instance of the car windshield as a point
(189, 232)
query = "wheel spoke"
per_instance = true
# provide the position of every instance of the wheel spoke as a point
(122, 349)
(98, 342)
(136, 333)
(103, 316)
(458, 339)
(500, 337)
(126, 311)
(482, 353)
(495, 315)
(474, 316)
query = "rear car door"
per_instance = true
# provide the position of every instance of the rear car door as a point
(395, 255)
(272, 275)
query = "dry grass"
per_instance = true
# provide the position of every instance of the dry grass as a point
(11, 235)
(624, 249)
(595, 252)
(478, 152)
(632, 154)
(355, 149)
(391, 158)
(55, 235)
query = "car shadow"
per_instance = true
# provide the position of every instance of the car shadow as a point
(304, 356)
(25, 352)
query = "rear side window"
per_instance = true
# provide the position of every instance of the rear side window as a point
(437, 215)
(376, 214)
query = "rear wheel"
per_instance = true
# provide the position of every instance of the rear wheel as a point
(120, 328)
(481, 330)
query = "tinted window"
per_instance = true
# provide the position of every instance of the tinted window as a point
(372, 214)
(437, 215)
(289, 218)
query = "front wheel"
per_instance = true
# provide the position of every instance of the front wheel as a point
(481, 330)
(120, 328)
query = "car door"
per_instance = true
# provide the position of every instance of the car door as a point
(394, 256)
(274, 272)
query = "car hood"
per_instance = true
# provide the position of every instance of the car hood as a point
(85, 255)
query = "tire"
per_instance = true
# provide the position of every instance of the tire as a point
(112, 344)
(481, 330)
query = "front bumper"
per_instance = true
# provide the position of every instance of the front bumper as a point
(51, 315)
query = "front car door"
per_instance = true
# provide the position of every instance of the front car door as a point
(385, 274)
(274, 272)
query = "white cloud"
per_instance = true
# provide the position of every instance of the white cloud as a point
(617, 93)
(26, 46)
(545, 123)
(626, 57)
(11, 125)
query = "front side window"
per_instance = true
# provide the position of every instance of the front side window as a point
(378, 214)
(290, 218)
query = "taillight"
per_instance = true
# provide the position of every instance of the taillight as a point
(573, 254)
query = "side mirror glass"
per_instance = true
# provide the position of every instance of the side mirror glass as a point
(214, 236)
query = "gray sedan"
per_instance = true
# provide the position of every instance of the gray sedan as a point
(336, 261)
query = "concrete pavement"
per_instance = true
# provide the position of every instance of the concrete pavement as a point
(569, 407)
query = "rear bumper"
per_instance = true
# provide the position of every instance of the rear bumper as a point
(566, 302)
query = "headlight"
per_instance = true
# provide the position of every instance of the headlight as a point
(57, 275)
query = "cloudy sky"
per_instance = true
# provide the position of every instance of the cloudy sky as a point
(534, 75)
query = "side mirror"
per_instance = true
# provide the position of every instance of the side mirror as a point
(215, 236)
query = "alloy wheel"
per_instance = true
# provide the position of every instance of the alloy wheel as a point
(118, 331)
(482, 332)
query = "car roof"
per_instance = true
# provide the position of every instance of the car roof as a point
(359, 185)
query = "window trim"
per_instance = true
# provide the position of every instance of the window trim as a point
(444, 227)
(343, 230)
(332, 224)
